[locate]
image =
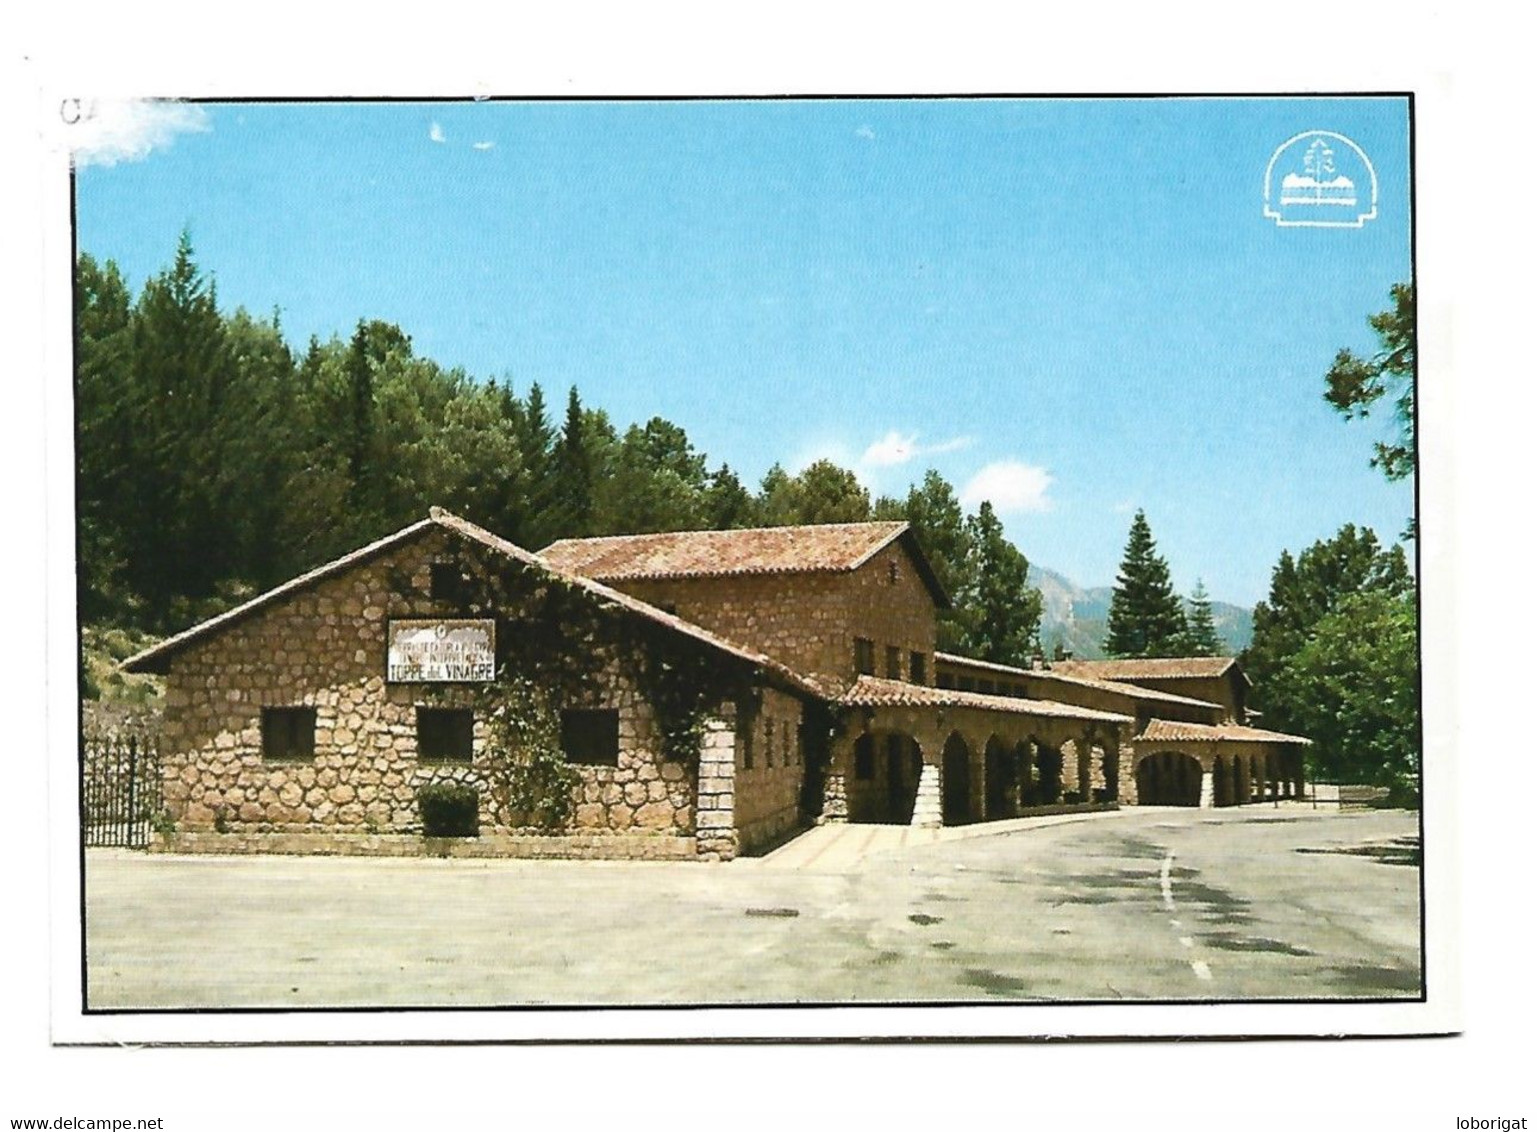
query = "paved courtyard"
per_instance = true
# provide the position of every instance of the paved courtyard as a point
(1150, 903)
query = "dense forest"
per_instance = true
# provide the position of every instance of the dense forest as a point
(215, 460)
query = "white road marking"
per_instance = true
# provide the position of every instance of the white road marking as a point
(1166, 883)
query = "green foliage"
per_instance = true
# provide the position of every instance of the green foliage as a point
(1201, 637)
(216, 462)
(449, 809)
(1306, 590)
(528, 781)
(1301, 652)
(1146, 618)
(1000, 612)
(1353, 689)
(822, 493)
(102, 649)
(1357, 384)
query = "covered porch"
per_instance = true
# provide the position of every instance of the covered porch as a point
(1190, 764)
(908, 754)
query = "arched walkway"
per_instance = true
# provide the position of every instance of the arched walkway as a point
(885, 783)
(1000, 795)
(1168, 778)
(1048, 774)
(955, 780)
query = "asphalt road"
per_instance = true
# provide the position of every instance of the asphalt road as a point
(1158, 904)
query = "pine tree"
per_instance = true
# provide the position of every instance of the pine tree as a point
(1145, 614)
(1001, 611)
(571, 476)
(1201, 637)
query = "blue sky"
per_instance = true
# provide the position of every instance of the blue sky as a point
(1073, 307)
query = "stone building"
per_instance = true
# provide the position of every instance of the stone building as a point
(713, 691)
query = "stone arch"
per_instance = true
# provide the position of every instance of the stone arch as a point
(1000, 781)
(1221, 779)
(1023, 756)
(1048, 773)
(955, 780)
(1168, 778)
(884, 786)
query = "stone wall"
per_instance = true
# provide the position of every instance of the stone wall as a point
(1226, 690)
(768, 792)
(324, 647)
(809, 621)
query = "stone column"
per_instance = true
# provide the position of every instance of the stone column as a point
(835, 792)
(715, 834)
(1086, 766)
(1208, 790)
(928, 810)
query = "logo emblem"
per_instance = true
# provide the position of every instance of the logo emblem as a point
(1320, 179)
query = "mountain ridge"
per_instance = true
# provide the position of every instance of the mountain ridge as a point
(1075, 616)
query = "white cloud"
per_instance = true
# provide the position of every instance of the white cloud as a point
(897, 448)
(435, 133)
(865, 132)
(484, 145)
(1124, 507)
(1011, 486)
(106, 132)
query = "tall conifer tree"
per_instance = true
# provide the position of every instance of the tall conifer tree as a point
(1146, 618)
(1201, 637)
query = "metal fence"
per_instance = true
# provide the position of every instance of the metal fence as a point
(120, 789)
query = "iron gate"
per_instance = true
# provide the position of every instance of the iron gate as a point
(120, 790)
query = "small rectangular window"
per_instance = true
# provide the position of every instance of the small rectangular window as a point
(288, 734)
(893, 662)
(744, 735)
(445, 735)
(447, 583)
(919, 669)
(945, 680)
(590, 738)
(864, 656)
(768, 743)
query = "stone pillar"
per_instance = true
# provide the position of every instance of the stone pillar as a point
(835, 790)
(928, 810)
(1086, 767)
(1208, 790)
(715, 834)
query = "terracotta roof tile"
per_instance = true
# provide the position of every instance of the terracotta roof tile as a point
(154, 658)
(877, 691)
(821, 548)
(1165, 731)
(1152, 668)
(1053, 674)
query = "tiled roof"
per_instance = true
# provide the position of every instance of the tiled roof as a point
(877, 691)
(153, 659)
(1165, 731)
(823, 548)
(1156, 668)
(1150, 694)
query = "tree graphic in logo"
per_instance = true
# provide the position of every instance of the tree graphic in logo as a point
(1313, 191)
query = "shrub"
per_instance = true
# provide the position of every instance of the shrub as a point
(449, 809)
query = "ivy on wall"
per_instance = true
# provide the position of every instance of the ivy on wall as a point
(554, 640)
